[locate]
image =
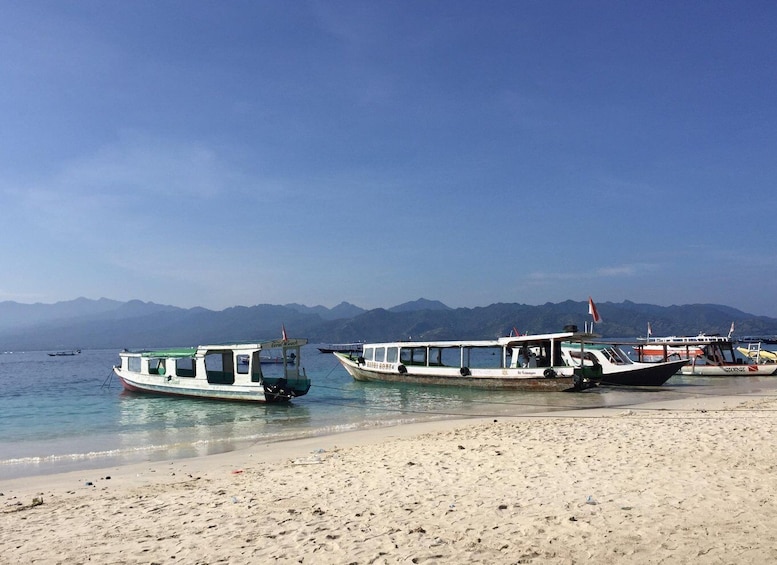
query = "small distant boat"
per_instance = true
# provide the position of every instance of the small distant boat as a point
(269, 360)
(618, 368)
(277, 359)
(768, 339)
(341, 347)
(529, 362)
(65, 353)
(223, 372)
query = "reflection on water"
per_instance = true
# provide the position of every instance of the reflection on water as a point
(451, 401)
(182, 427)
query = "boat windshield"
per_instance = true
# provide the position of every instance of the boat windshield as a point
(616, 356)
(719, 354)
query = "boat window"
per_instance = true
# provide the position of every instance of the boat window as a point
(242, 364)
(256, 368)
(392, 354)
(218, 367)
(449, 357)
(589, 359)
(380, 354)
(435, 356)
(214, 361)
(184, 367)
(133, 364)
(475, 357)
(156, 366)
(369, 353)
(608, 354)
(542, 351)
(420, 355)
(523, 357)
(413, 355)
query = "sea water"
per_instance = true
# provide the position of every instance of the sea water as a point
(68, 413)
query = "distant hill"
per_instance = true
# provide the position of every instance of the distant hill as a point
(342, 310)
(419, 305)
(107, 324)
(15, 315)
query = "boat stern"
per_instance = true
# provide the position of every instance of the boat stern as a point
(588, 376)
(283, 389)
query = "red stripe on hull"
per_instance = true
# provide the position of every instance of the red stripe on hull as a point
(130, 387)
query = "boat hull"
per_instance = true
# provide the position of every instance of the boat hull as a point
(643, 374)
(502, 379)
(738, 370)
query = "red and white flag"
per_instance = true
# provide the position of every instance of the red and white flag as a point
(593, 311)
(283, 333)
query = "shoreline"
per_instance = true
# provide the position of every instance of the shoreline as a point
(670, 481)
(89, 459)
(276, 451)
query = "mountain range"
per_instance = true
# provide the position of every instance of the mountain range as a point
(105, 324)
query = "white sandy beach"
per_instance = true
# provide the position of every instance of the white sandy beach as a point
(688, 481)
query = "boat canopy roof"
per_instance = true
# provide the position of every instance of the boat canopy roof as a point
(683, 341)
(591, 344)
(182, 352)
(559, 336)
(511, 341)
(674, 339)
(169, 353)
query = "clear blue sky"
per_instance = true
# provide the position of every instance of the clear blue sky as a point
(244, 152)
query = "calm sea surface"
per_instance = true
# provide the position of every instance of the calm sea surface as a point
(68, 413)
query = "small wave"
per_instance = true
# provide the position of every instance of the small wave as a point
(110, 453)
(193, 448)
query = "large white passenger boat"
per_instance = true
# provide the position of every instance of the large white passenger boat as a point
(223, 372)
(532, 363)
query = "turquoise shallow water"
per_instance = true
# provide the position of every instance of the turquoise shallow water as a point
(68, 413)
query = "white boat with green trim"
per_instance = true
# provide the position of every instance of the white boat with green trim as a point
(529, 362)
(224, 372)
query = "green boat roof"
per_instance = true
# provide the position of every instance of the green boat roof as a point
(177, 352)
(241, 347)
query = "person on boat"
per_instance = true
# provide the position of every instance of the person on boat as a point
(529, 358)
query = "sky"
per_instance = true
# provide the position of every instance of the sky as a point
(216, 154)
